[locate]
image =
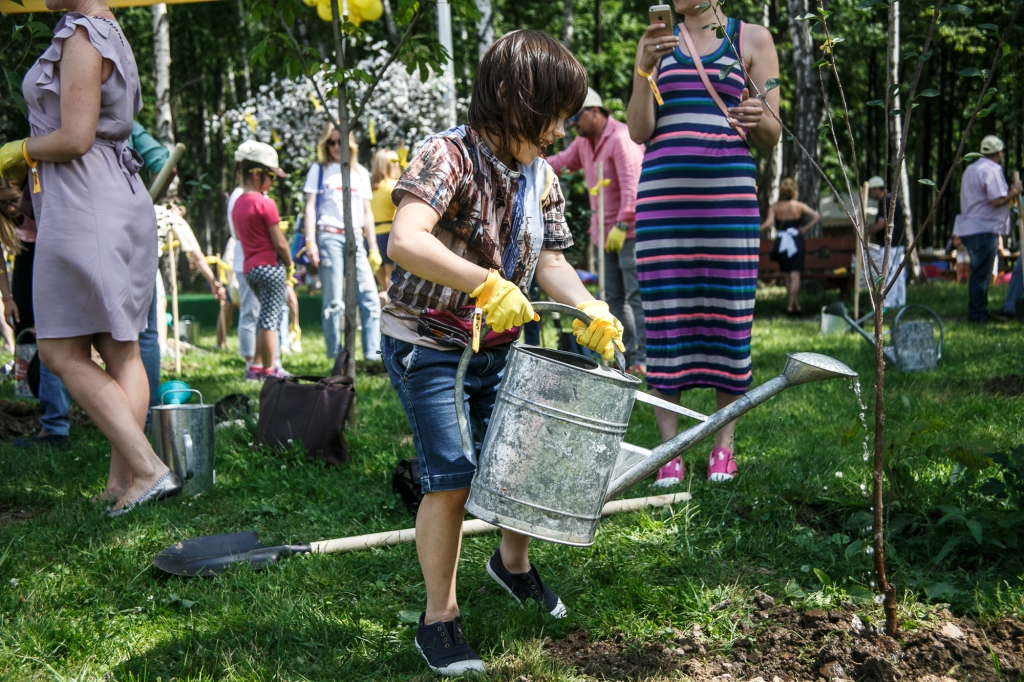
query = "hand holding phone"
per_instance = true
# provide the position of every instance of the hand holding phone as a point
(660, 14)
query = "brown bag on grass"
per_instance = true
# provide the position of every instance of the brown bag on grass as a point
(311, 413)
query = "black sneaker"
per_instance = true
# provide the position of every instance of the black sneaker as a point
(445, 649)
(525, 585)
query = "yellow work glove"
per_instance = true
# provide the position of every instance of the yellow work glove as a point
(503, 303)
(615, 240)
(12, 161)
(604, 331)
(289, 276)
(375, 260)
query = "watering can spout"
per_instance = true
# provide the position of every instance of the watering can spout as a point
(801, 368)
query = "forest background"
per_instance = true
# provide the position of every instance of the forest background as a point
(219, 68)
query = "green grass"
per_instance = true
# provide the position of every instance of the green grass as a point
(79, 600)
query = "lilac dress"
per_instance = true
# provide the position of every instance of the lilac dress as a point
(96, 250)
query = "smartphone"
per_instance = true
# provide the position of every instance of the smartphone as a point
(661, 14)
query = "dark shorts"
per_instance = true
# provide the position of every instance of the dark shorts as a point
(382, 244)
(425, 380)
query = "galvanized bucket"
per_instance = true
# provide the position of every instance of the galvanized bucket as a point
(551, 445)
(183, 440)
(189, 329)
(914, 343)
(832, 324)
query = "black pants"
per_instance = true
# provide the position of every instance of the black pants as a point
(21, 287)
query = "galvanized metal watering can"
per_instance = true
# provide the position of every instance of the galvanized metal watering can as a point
(914, 347)
(183, 439)
(553, 451)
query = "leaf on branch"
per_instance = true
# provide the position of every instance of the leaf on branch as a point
(727, 69)
(960, 9)
(925, 56)
(820, 63)
(970, 72)
(770, 85)
(926, 181)
(868, 4)
(1007, 49)
(876, 103)
(896, 112)
(988, 27)
(893, 89)
(805, 17)
(930, 92)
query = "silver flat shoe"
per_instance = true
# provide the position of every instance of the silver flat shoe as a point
(166, 486)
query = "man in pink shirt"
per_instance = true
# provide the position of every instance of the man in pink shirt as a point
(601, 138)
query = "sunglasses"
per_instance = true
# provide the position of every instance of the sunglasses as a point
(13, 203)
(333, 143)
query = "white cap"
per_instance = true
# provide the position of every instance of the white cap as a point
(991, 145)
(593, 100)
(261, 153)
(876, 182)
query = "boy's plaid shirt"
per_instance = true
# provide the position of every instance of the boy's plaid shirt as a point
(458, 175)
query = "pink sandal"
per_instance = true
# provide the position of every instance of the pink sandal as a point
(670, 474)
(721, 465)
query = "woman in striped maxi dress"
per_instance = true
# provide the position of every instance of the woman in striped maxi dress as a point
(697, 217)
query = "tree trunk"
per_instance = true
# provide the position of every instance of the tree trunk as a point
(220, 177)
(244, 46)
(389, 23)
(484, 27)
(162, 73)
(807, 107)
(346, 191)
(897, 120)
(773, 168)
(568, 22)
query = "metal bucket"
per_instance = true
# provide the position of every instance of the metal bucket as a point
(551, 445)
(189, 329)
(183, 440)
(832, 324)
(914, 343)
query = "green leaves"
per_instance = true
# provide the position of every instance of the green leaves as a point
(988, 27)
(970, 72)
(971, 156)
(727, 69)
(868, 4)
(930, 92)
(960, 9)
(926, 181)
(876, 103)
(770, 85)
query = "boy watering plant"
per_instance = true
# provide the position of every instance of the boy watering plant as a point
(479, 215)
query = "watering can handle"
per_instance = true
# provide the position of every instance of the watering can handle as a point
(182, 390)
(189, 469)
(467, 355)
(934, 314)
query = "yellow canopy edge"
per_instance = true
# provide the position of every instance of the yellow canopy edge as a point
(8, 7)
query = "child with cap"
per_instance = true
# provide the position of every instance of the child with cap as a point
(480, 213)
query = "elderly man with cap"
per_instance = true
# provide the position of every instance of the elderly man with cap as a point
(897, 296)
(601, 138)
(984, 215)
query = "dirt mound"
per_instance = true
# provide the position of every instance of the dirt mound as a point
(1011, 385)
(786, 645)
(9, 516)
(18, 419)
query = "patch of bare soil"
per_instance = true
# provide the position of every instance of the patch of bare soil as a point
(18, 419)
(1011, 385)
(12, 517)
(789, 646)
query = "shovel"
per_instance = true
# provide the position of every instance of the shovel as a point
(215, 553)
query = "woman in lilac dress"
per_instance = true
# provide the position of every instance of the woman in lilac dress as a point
(96, 250)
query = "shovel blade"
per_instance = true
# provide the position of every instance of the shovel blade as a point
(209, 555)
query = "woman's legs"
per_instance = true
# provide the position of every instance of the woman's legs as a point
(793, 289)
(115, 399)
(266, 346)
(723, 438)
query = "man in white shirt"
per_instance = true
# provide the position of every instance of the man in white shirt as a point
(984, 215)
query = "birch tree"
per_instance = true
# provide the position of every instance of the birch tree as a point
(807, 103)
(162, 73)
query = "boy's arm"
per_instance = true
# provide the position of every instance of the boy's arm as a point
(416, 250)
(558, 279)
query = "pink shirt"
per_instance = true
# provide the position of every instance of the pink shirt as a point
(253, 215)
(622, 159)
(982, 181)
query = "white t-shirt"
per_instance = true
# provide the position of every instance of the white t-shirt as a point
(330, 206)
(237, 258)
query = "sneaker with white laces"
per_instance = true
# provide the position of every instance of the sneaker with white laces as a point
(444, 647)
(721, 465)
(670, 474)
(523, 586)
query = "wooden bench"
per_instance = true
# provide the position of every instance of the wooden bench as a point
(827, 260)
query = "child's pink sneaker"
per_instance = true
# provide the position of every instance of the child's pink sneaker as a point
(721, 465)
(670, 474)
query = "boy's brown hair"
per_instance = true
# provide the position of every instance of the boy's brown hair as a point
(526, 80)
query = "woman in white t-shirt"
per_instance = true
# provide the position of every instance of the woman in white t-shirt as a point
(326, 246)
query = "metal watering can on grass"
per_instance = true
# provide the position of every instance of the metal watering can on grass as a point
(183, 440)
(914, 348)
(553, 451)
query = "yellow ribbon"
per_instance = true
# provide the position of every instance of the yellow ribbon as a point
(653, 84)
(595, 188)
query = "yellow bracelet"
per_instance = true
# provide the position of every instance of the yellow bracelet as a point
(652, 83)
(31, 166)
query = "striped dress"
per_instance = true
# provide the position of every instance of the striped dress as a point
(697, 231)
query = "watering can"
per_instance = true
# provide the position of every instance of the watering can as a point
(914, 348)
(183, 440)
(189, 329)
(553, 451)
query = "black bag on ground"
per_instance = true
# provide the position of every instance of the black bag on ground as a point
(406, 484)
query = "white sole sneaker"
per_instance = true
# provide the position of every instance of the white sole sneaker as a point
(667, 482)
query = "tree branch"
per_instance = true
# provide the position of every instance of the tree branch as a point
(305, 67)
(391, 58)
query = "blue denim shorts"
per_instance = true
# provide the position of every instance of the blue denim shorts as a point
(425, 381)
